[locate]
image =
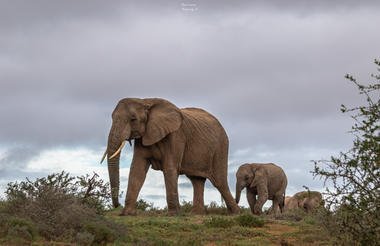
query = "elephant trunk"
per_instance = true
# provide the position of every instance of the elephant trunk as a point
(114, 142)
(239, 188)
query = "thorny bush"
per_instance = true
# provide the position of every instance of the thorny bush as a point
(60, 205)
(353, 205)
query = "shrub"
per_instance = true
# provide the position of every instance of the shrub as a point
(248, 220)
(84, 238)
(4, 218)
(143, 205)
(101, 233)
(91, 191)
(22, 226)
(353, 213)
(19, 234)
(186, 207)
(59, 206)
(214, 208)
(219, 221)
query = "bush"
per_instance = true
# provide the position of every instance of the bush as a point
(248, 220)
(186, 207)
(101, 233)
(59, 206)
(4, 218)
(353, 205)
(19, 232)
(143, 205)
(22, 225)
(219, 222)
(214, 208)
(85, 238)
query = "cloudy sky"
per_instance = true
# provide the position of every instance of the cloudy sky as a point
(271, 72)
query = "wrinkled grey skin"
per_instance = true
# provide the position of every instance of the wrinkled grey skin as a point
(266, 181)
(176, 141)
(304, 200)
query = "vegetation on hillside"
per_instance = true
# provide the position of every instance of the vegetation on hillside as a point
(353, 202)
(58, 209)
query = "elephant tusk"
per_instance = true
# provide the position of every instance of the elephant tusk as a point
(104, 156)
(118, 151)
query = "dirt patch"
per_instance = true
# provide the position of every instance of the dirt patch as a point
(277, 229)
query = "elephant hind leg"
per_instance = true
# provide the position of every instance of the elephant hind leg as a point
(224, 190)
(198, 187)
(219, 180)
(281, 203)
(277, 205)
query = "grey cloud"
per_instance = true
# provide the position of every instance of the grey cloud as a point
(15, 159)
(185, 185)
(188, 185)
(271, 72)
(41, 11)
(74, 80)
(155, 197)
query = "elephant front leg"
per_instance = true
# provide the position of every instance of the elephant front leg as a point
(171, 184)
(251, 197)
(262, 197)
(137, 174)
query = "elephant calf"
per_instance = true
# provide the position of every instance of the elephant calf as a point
(267, 181)
(305, 200)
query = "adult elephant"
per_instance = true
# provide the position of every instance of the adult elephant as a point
(176, 141)
(304, 200)
(267, 181)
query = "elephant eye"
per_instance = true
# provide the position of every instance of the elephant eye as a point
(133, 118)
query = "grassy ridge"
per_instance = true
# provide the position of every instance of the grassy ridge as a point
(154, 228)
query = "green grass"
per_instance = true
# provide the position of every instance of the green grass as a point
(153, 227)
(148, 228)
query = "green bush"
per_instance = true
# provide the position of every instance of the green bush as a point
(186, 207)
(84, 238)
(353, 203)
(248, 220)
(141, 204)
(19, 232)
(26, 229)
(4, 218)
(101, 233)
(214, 208)
(219, 221)
(58, 206)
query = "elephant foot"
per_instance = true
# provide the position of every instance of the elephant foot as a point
(257, 210)
(234, 210)
(172, 212)
(128, 211)
(198, 210)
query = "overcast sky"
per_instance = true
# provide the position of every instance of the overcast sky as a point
(271, 72)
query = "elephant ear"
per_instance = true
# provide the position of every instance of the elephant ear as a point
(163, 118)
(259, 176)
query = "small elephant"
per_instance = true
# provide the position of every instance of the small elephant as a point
(187, 141)
(267, 181)
(305, 200)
